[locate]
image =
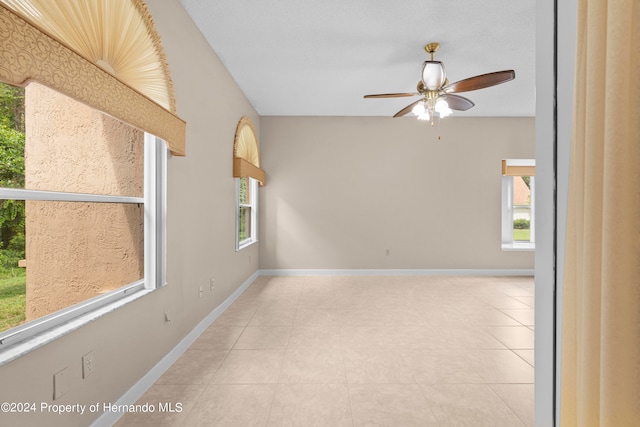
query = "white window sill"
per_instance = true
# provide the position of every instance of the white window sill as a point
(246, 244)
(519, 246)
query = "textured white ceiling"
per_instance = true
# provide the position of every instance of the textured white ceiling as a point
(319, 58)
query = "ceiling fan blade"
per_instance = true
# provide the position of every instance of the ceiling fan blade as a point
(390, 95)
(406, 109)
(480, 82)
(457, 102)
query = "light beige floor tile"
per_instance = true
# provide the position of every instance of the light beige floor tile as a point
(517, 291)
(396, 350)
(390, 405)
(450, 336)
(236, 316)
(518, 397)
(440, 366)
(171, 403)
(315, 318)
(414, 313)
(504, 302)
(469, 405)
(194, 367)
(513, 337)
(311, 405)
(472, 304)
(368, 366)
(315, 338)
(317, 283)
(366, 316)
(217, 338)
(232, 406)
(270, 316)
(530, 300)
(527, 355)
(525, 317)
(490, 317)
(468, 338)
(263, 337)
(318, 297)
(396, 337)
(313, 366)
(250, 367)
(363, 337)
(283, 303)
(521, 289)
(501, 366)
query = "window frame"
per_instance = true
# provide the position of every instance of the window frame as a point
(253, 204)
(21, 339)
(508, 207)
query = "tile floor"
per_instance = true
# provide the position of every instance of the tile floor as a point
(359, 351)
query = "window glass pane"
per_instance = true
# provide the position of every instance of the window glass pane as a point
(11, 136)
(70, 252)
(244, 223)
(244, 192)
(521, 208)
(49, 141)
(12, 276)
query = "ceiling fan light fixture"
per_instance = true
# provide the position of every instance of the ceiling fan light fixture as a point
(433, 75)
(418, 109)
(421, 111)
(442, 108)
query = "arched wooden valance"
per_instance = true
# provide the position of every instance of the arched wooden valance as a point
(106, 54)
(246, 153)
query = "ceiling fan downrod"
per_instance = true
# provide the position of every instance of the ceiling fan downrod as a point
(432, 48)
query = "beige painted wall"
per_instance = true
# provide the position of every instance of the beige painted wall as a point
(76, 251)
(342, 191)
(200, 239)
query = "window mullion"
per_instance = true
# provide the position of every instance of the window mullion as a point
(507, 210)
(60, 196)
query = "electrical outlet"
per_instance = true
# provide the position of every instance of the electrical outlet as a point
(88, 364)
(60, 383)
(200, 292)
(212, 284)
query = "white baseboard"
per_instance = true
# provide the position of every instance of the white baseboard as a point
(134, 393)
(395, 272)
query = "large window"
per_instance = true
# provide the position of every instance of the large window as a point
(248, 175)
(82, 208)
(518, 204)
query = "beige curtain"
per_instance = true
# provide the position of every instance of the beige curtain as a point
(601, 314)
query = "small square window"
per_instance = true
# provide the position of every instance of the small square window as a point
(518, 204)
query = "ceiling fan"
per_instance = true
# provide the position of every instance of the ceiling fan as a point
(437, 95)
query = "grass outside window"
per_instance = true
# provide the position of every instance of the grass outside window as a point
(12, 300)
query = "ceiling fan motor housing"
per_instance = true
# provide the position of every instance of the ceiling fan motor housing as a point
(433, 75)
